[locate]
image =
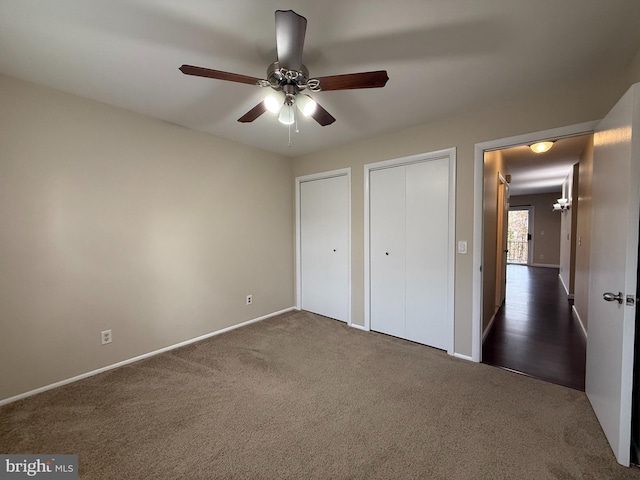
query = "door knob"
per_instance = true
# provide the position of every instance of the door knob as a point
(612, 297)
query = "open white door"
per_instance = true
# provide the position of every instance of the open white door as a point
(614, 262)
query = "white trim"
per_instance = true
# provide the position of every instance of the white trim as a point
(569, 295)
(358, 327)
(478, 198)
(138, 358)
(309, 178)
(545, 265)
(564, 285)
(502, 235)
(489, 327)
(575, 312)
(463, 357)
(449, 153)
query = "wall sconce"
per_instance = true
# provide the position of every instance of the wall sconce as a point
(561, 205)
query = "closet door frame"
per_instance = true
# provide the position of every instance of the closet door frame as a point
(450, 154)
(344, 172)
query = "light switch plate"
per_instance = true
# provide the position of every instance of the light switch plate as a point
(462, 246)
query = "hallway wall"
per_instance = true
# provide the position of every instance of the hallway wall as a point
(583, 236)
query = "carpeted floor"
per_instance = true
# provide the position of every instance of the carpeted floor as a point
(301, 396)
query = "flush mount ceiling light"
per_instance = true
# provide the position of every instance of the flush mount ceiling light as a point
(541, 147)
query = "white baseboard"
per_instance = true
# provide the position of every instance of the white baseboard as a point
(545, 265)
(359, 327)
(463, 357)
(564, 285)
(138, 358)
(489, 326)
(575, 312)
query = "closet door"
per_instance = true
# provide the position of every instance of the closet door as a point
(409, 254)
(324, 242)
(387, 251)
(427, 236)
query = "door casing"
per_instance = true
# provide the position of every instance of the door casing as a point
(478, 220)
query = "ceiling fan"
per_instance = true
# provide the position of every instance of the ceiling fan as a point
(288, 77)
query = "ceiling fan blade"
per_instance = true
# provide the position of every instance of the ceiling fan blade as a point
(254, 113)
(218, 74)
(321, 116)
(290, 32)
(354, 80)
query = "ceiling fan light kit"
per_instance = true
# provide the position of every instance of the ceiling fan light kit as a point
(306, 104)
(287, 115)
(274, 101)
(288, 77)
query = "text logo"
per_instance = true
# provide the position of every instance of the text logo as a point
(46, 467)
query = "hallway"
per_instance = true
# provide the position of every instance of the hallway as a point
(534, 332)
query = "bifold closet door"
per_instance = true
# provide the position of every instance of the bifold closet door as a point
(427, 241)
(324, 243)
(387, 265)
(409, 235)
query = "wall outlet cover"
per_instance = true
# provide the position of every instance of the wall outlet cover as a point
(105, 337)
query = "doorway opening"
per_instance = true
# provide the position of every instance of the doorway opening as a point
(532, 328)
(519, 235)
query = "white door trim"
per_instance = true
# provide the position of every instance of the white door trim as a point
(308, 178)
(478, 198)
(449, 153)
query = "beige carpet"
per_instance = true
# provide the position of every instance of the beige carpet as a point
(300, 396)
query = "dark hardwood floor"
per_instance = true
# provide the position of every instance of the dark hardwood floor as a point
(535, 332)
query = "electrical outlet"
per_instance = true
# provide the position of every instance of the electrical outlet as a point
(541, 257)
(105, 337)
(249, 299)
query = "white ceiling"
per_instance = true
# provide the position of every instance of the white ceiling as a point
(443, 56)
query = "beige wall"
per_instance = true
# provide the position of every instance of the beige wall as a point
(114, 220)
(111, 220)
(633, 72)
(584, 102)
(546, 227)
(494, 166)
(583, 235)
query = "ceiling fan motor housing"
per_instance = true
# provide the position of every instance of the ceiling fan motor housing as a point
(279, 78)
